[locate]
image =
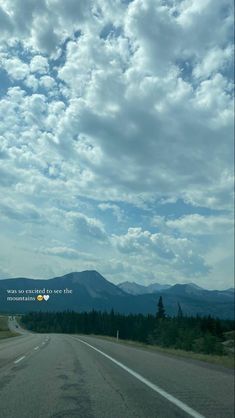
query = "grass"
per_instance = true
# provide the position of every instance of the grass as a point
(3, 323)
(224, 360)
(4, 331)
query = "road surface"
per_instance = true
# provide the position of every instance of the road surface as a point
(63, 376)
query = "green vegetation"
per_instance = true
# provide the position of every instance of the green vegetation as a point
(220, 360)
(3, 323)
(4, 331)
(205, 335)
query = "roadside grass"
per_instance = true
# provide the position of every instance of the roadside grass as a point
(3, 323)
(223, 360)
(4, 331)
(229, 343)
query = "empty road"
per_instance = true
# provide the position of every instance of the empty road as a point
(56, 375)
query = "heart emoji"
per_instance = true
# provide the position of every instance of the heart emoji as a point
(46, 297)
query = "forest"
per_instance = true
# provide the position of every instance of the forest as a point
(197, 334)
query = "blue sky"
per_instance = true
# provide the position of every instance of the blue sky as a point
(116, 139)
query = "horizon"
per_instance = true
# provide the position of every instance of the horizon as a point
(116, 140)
(115, 283)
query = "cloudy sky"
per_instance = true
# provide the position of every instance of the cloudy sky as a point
(116, 139)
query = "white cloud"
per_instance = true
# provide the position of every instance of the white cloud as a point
(178, 253)
(19, 211)
(39, 64)
(16, 69)
(216, 60)
(120, 106)
(47, 82)
(118, 213)
(202, 225)
(64, 252)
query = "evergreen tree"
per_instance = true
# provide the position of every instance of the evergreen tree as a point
(180, 312)
(161, 310)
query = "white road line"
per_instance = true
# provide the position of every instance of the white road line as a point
(151, 385)
(19, 359)
(36, 348)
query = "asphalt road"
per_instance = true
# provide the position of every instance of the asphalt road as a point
(55, 376)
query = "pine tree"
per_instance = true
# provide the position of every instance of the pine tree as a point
(161, 310)
(180, 312)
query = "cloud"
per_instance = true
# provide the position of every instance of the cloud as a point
(118, 213)
(116, 121)
(47, 82)
(39, 64)
(202, 225)
(216, 60)
(178, 253)
(16, 69)
(86, 227)
(65, 252)
(19, 212)
(5, 22)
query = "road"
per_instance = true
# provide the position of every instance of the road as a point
(63, 376)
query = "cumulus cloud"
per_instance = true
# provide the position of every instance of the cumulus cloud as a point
(16, 69)
(176, 252)
(118, 107)
(39, 64)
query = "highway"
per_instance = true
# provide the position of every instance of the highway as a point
(63, 376)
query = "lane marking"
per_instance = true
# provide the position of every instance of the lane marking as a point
(184, 407)
(19, 359)
(36, 348)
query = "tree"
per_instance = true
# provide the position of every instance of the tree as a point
(161, 310)
(180, 312)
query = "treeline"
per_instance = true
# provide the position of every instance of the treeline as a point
(198, 334)
(132, 327)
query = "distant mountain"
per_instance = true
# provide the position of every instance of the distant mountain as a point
(132, 288)
(138, 289)
(198, 293)
(189, 289)
(230, 290)
(90, 290)
(193, 299)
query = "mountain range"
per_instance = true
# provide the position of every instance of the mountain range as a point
(90, 290)
(138, 289)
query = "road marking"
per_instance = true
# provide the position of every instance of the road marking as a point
(36, 348)
(19, 359)
(184, 407)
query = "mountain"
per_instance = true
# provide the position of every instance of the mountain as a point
(138, 289)
(193, 299)
(87, 290)
(94, 283)
(133, 288)
(90, 290)
(191, 290)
